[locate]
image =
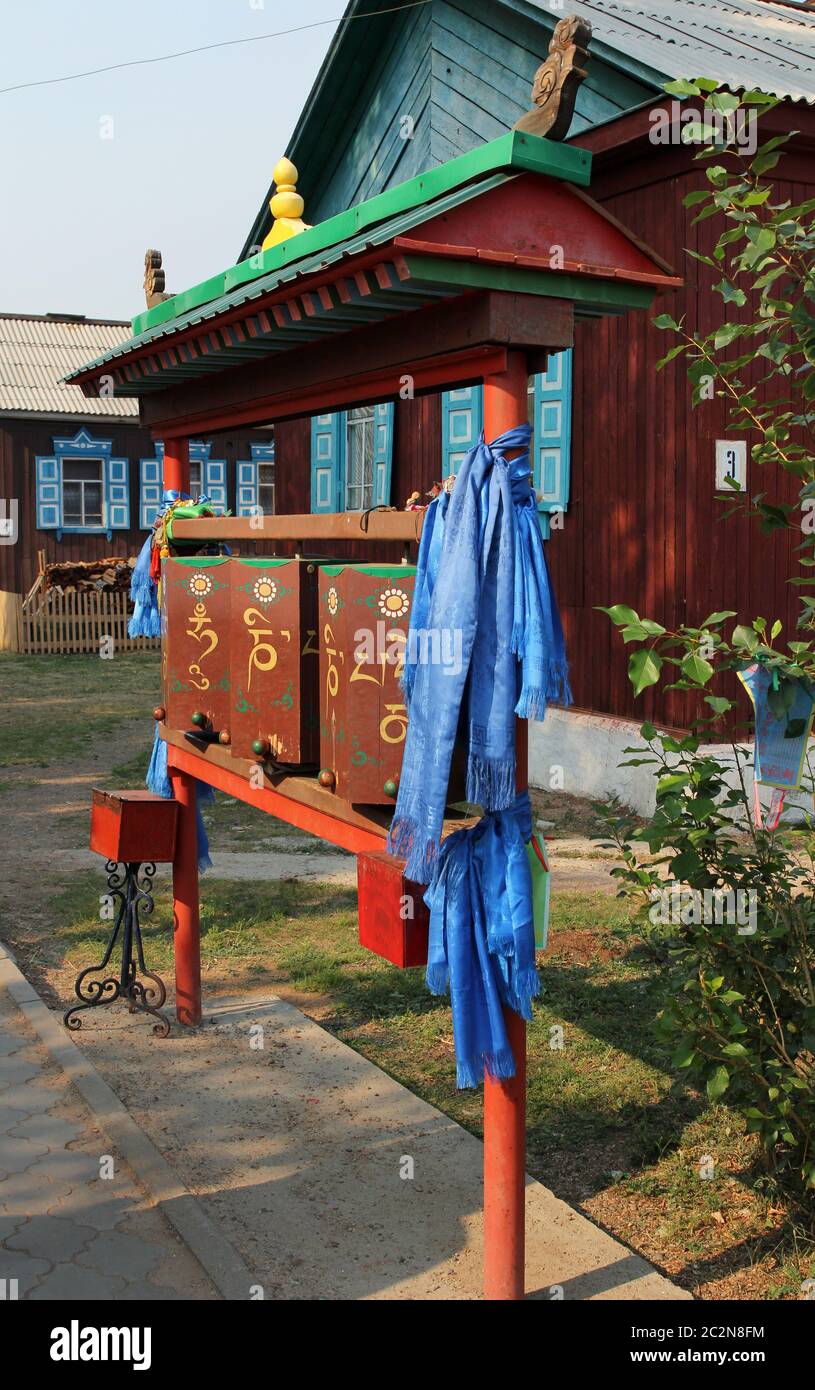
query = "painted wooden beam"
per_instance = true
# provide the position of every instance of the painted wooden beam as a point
(387, 352)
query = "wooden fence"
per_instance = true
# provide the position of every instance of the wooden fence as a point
(56, 624)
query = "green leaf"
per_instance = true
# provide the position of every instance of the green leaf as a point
(682, 88)
(731, 294)
(726, 334)
(745, 637)
(643, 669)
(621, 615)
(684, 1054)
(696, 668)
(763, 162)
(669, 356)
(717, 1083)
(665, 321)
(716, 618)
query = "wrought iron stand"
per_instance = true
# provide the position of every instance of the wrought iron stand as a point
(141, 990)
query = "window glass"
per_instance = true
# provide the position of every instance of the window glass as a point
(196, 478)
(359, 480)
(82, 492)
(266, 488)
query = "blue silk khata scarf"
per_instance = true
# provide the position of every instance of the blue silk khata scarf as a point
(485, 645)
(482, 938)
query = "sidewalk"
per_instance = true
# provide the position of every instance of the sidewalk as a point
(66, 1231)
(288, 1164)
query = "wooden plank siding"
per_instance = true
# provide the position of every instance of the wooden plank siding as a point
(462, 71)
(644, 526)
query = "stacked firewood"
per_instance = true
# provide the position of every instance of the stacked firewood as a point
(83, 576)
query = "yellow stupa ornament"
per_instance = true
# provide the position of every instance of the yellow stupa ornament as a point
(286, 206)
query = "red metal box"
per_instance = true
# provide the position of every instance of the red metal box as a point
(275, 659)
(133, 827)
(364, 621)
(195, 604)
(393, 919)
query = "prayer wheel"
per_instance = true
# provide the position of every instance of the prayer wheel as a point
(275, 661)
(197, 686)
(364, 616)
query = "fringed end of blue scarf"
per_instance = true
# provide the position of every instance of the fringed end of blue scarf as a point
(146, 619)
(470, 1070)
(437, 978)
(526, 986)
(420, 853)
(491, 782)
(535, 701)
(204, 861)
(157, 780)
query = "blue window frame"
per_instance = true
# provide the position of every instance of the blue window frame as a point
(352, 459)
(256, 482)
(81, 488)
(550, 396)
(462, 420)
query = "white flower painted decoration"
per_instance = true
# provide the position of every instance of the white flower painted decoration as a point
(394, 603)
(265, 590)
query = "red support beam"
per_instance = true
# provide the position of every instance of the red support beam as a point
(505, 406)
(186, 923)
(176, 465)
(354, 838)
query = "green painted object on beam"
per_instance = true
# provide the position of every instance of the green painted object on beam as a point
(609, 296)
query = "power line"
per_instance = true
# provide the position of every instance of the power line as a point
(208, 47)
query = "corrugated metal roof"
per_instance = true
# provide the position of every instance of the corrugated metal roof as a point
(755, 43)
(36, 353)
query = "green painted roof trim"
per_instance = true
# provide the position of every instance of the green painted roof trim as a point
(514, 151)
(607, 295)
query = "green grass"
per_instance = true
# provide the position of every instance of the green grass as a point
(55, 708)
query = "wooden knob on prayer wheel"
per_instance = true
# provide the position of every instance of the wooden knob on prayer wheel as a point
(199, 719)
(391, 788)
(327, 779)
(160, 713)
(225, 737)
(261, 748)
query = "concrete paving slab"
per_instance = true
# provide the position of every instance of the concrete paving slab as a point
(298, 1152)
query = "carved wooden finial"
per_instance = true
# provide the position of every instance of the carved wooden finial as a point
(154, 279)
(286, 205)
(556, 84)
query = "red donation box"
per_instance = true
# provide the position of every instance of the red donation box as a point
(364, 619)
(275, 659)
(195, 604)
(133, 827)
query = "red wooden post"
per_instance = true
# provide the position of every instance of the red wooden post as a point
(187, 928)
(505, 405)
(176, 465)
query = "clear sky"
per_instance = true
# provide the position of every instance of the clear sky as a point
(193, 145)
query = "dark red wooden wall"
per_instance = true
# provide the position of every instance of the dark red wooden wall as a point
(644, 526)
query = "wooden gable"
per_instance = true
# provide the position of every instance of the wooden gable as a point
(415, 87)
